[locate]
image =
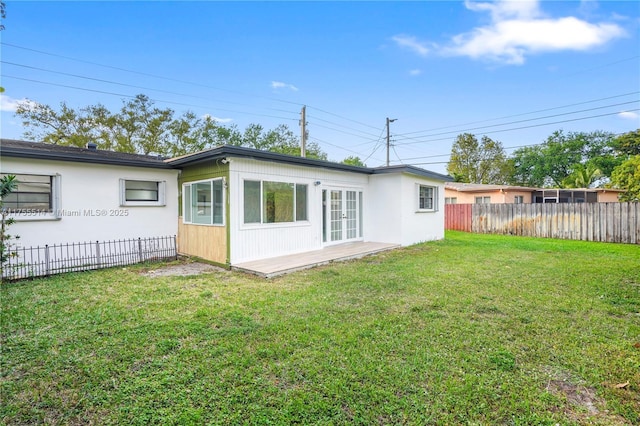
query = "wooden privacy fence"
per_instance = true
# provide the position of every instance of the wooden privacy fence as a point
(30, 262)
(606, 222)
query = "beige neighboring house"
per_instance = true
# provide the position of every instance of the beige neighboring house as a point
(473, 193)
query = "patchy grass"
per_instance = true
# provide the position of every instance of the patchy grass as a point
(475, 329)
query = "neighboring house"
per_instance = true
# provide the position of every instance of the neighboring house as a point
(68, 194)
(227, 205)
(472, 193)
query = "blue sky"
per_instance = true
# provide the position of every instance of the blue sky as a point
(439, 68)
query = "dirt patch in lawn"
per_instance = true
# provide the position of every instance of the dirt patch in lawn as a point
(584, 406)
(182, 270)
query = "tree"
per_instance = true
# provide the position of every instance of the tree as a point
(561, 155)
(3, 13)
(8, 184)
(627, 176)
(281, 140)
(628, 143)
(141, 127)
(478, 162)
(353, 160)
(583, 176)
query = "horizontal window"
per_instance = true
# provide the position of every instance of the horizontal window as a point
(483, 200)
(203, 202)
(451, 200)
(32, 193)
(142, 192)
(274, 202)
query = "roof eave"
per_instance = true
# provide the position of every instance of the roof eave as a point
(80, 157)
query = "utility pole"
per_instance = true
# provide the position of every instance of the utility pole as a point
(303, 131)
(388, 137)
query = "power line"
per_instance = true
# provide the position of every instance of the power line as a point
(131, 85)
(132, 97)
(504, 148)
(527, 120)
(180, 81)
(533, 125)
(177, 80)
(521, 114)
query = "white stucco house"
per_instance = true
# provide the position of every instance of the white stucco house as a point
(228, 205)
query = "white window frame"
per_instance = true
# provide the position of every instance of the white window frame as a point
(451, 200)
(262, 222)
(162, 188)
(28, 215)
(518, 199)
(185, 205)
(483, 200)
(434, 206)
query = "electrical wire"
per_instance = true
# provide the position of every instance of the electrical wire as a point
(527, 120)
(132, 97)
(534, 125)
(521, 114)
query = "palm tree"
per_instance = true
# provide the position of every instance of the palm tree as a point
(582, 176)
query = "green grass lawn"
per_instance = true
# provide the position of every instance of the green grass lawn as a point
(474, 329)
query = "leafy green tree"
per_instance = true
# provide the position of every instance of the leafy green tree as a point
(628, 143)
(8, 184)
(141, 127)
(627, 176)
(281, 140)
(353, 160)
(552, 162)
(474, 161)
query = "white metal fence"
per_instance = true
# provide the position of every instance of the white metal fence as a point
(46, 260)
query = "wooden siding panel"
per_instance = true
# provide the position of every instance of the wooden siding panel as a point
(206, 242)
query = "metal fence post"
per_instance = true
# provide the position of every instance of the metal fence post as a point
(98, 262)
(140, 249)
(175, 247)
(46, 259)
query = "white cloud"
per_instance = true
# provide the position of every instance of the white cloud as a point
(519, 29)
(9, 104)
(415, 72)
(629, 115)
(217, 119)
(412, 43)
(280, 85)
(504, 9)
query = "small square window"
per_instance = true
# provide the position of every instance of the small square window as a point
(427, 197)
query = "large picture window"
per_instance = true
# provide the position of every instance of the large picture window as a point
(203, 202)
(33, 193)
(274, 202)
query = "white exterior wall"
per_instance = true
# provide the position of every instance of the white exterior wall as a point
(383, 206)
(419, 226)
(259, 241)
(393, 211)
(86, 192)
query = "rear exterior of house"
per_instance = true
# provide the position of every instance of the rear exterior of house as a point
(227, 205)
(255, 205)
